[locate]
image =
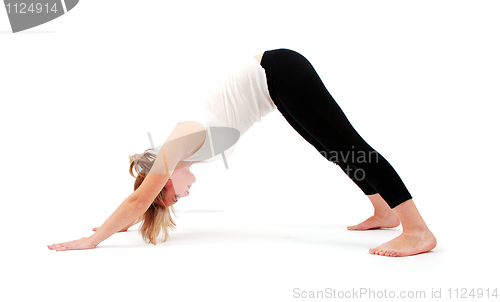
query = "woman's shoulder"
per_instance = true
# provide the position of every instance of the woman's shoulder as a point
(191, 126)
(189, 136)
(186, 128)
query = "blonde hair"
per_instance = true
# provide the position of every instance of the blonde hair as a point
(158, 216)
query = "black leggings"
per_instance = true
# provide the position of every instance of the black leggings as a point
(304, 101)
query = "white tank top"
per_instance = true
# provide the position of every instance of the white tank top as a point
(238, 102)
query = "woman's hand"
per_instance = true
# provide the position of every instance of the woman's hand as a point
(80, 244)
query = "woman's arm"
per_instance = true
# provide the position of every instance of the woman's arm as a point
(125, 228)
(129, 210)
(132, 224)
(184, 140)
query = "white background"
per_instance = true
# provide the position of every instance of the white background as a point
(418, 80)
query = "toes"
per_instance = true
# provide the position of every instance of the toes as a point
(353, 227)
(386, 253)
(375, 251)
(381, 252)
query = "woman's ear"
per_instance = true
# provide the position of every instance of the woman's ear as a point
(169, 184)
(170, 193)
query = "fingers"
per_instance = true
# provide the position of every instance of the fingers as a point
(64, 246)
(71, 245)
(58, 247)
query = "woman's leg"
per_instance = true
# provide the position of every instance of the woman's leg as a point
(357, 179)
(296, 89)
(383, 216)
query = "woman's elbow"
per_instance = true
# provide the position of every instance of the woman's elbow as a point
(141, 206)
(138, 204)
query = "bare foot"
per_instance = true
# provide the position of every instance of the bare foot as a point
(390, 220)
(407, 244)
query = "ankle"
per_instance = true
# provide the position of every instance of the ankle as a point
(415, 228)
(384, 213)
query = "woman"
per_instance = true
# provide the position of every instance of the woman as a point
(285, 80)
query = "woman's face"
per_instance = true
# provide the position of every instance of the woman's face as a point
(180, 181)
